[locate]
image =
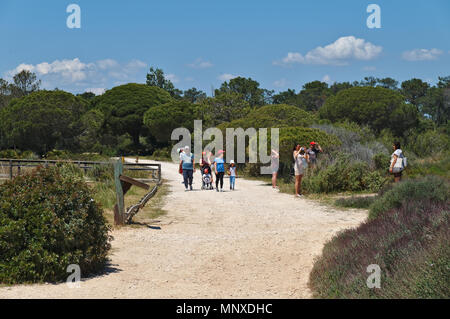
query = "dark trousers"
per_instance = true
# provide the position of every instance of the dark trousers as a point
(187, 177)
(219, 178)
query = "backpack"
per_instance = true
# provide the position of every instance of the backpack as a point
(400, 164)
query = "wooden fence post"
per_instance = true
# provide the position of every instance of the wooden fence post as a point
(10, 169)
(119, 209)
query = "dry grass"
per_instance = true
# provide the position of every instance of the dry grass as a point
(147, 214)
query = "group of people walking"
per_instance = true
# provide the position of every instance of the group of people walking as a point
(209, 164)
(303, 158)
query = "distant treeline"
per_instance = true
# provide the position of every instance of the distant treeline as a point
(138, 118)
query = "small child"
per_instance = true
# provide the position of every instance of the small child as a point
(232, 173)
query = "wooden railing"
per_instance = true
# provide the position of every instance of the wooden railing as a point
(13, 167)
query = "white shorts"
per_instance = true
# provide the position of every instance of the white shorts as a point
(298, 170)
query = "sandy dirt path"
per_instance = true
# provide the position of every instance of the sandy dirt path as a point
(253, 242)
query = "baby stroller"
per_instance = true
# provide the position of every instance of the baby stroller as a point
(206, 178)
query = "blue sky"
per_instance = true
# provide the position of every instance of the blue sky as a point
(201, 43)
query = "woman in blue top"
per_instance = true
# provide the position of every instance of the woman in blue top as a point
(188, 165)
(219, 165)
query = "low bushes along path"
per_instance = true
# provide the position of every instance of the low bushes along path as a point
(253, 242)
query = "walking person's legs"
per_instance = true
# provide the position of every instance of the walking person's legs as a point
(190, 174)
(217, 181)
(298, 185)
(232, 180)
(274, 179)
(185, 178)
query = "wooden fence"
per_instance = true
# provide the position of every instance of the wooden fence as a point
(10, 168)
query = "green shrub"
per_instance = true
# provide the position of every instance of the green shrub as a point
(373, 180)
(342, 175)
(439, 166)
(355, 201)
(429, 142)
(358, 142)
(289, 136)
(17, 154)
(381, 161)
(9, 154)
(49, 220)
(429, 188)
(162, 153)
(67, 155)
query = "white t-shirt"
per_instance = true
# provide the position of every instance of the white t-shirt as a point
(399, 154)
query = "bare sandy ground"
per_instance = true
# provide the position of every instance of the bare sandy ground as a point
(253, 242)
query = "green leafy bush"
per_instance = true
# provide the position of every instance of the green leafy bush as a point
(342, 175)
(439, 166)
(373, 180)
(381, 161)
(355, 201)
(428, 143)
(429, 188)
(289, 136)
(17, 154)
(358, 142)
(49, 220)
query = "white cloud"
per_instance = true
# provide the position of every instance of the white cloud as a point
(337, 53)
(226, 76)
(96, 91)
(172, 77)
(280, 83)
(326, 78)
(107, 64)
(77, 75)
(136, 64)
(70, 70)
(200, 64)
(422, 54)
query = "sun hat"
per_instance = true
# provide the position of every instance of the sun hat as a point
(220, 152)
(312, 143)
(232, 162)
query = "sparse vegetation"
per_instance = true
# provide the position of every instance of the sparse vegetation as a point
(407, 237)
